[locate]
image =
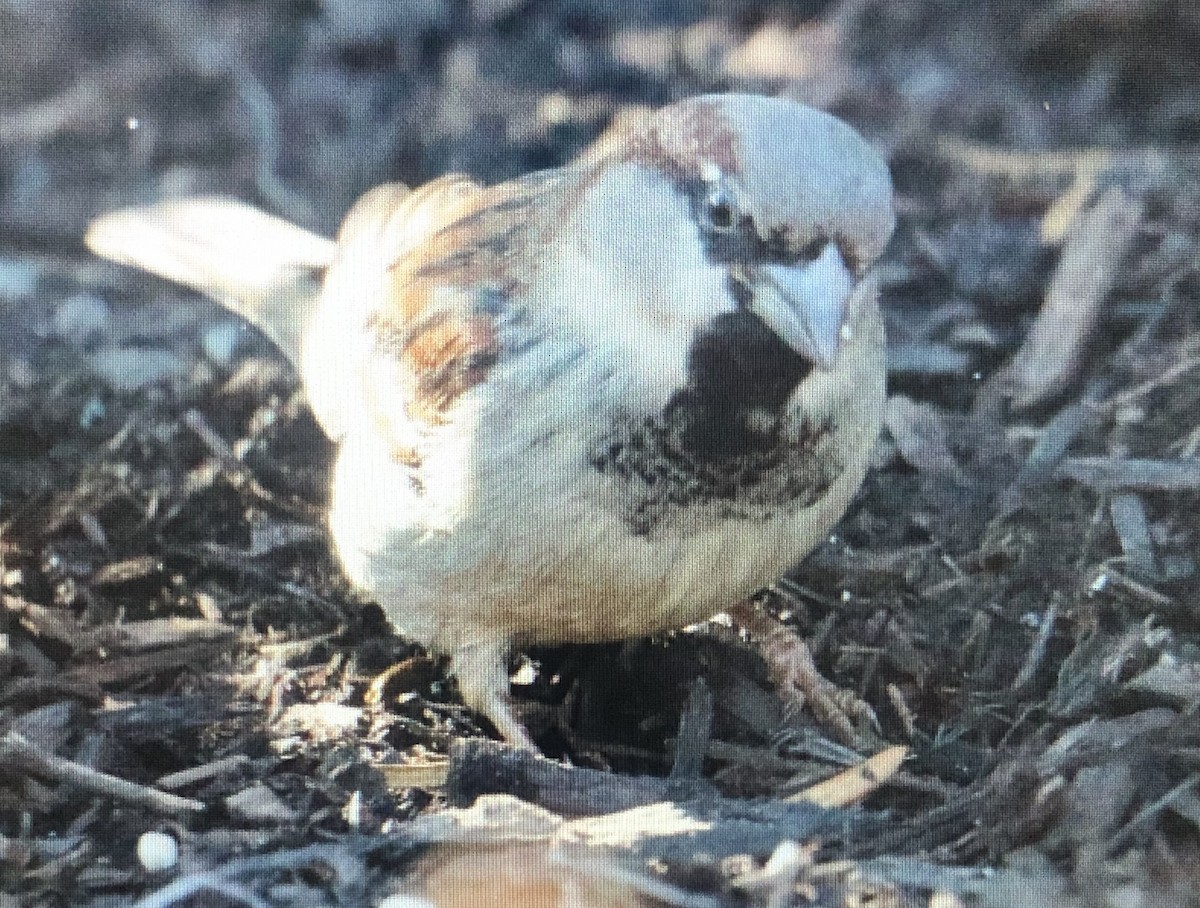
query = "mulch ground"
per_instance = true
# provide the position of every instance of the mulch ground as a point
(1014, 592)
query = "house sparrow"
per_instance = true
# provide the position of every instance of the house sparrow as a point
(588, 404)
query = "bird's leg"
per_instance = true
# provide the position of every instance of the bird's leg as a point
(800, 684)
(481, 669)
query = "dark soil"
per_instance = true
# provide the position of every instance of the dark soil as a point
(1014, 593)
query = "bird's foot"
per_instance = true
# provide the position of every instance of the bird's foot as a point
(801, 686)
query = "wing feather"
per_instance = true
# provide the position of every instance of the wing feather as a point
(449, 290)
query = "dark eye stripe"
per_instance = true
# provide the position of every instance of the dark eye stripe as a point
(733, 238)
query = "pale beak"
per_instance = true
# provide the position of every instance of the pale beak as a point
(806, 304)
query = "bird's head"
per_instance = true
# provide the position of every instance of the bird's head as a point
(790, 200)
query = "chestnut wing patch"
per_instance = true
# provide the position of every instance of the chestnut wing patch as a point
(449, 287)
(443, 355)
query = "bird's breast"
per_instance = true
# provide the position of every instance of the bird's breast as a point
(726, 446)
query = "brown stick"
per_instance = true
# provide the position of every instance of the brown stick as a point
(18, 753)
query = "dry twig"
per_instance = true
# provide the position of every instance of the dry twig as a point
(18, 753)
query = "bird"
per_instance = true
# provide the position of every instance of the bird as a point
(591, 403)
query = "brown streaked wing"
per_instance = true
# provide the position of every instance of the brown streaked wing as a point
(477, 248)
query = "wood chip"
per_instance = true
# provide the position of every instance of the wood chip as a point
(196, 774)
(695, 731)
(127, 570)
(853, 785)
(160, 633)
(259, 804)
(1104, 736)
(922, 436)
(54, 624)
(1133, 531)
(125, 668)
(1052, 354)
(425, 774)
(660, 830)
(485, 767)
(1171, 678)
(1108, 474)
(1068, 424)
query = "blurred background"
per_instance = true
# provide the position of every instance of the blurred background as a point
(1015, 592)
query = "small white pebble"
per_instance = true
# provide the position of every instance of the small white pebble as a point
(786, 858)
(157, 851)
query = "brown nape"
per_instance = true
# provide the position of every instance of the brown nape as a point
(683, 138)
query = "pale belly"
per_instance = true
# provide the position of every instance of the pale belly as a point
(532, 549)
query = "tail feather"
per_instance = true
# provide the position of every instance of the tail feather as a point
(260, 266)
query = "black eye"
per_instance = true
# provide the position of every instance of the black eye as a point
(718, 208)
